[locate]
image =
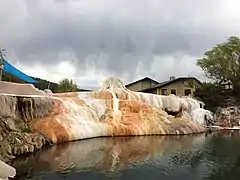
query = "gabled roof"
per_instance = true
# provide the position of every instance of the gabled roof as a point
(162, 84)
(143, 79)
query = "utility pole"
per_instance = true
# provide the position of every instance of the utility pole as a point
(1, 63)
(48, 84)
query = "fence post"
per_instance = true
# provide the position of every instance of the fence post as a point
(1, 64)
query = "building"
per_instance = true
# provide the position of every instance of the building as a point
(182, 86)
(141, 84)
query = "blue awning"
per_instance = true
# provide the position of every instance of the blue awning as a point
(19, 74)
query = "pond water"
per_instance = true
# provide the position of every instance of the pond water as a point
(212, 156)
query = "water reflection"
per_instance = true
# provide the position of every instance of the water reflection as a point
(152, 157)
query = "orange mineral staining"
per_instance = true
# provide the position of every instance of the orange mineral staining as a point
(49, 126)
(111, 111)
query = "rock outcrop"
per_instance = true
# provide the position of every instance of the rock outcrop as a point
(6, 171)
(228, 116)
(16, 137)
(28, 122)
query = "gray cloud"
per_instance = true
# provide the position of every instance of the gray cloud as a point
(125, 38)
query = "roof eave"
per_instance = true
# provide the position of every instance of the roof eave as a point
(146, 78)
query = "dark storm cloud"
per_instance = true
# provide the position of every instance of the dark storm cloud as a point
(123, 44)
(145, 31)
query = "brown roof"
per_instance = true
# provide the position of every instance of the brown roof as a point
(162, 84)
(146, 78)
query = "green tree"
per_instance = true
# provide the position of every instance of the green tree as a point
(212, 94)
(67, 85)
(44, 84)
(222, 63)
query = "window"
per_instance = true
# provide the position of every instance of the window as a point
(163, 91)
(173, 91)
(187, 92)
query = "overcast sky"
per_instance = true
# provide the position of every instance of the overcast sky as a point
(89, 40)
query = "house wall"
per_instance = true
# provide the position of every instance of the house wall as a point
(135, 86)
(180, 87)
(141, 85)
(147, 84)
(152, 91)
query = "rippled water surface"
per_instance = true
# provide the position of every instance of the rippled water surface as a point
(215, 156)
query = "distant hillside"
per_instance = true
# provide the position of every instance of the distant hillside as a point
(42, 84)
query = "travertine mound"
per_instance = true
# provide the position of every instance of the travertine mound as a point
(29, 117)
(111, 111)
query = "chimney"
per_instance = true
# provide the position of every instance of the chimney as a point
(172, 78)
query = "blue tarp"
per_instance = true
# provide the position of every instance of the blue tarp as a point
(14, 71)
